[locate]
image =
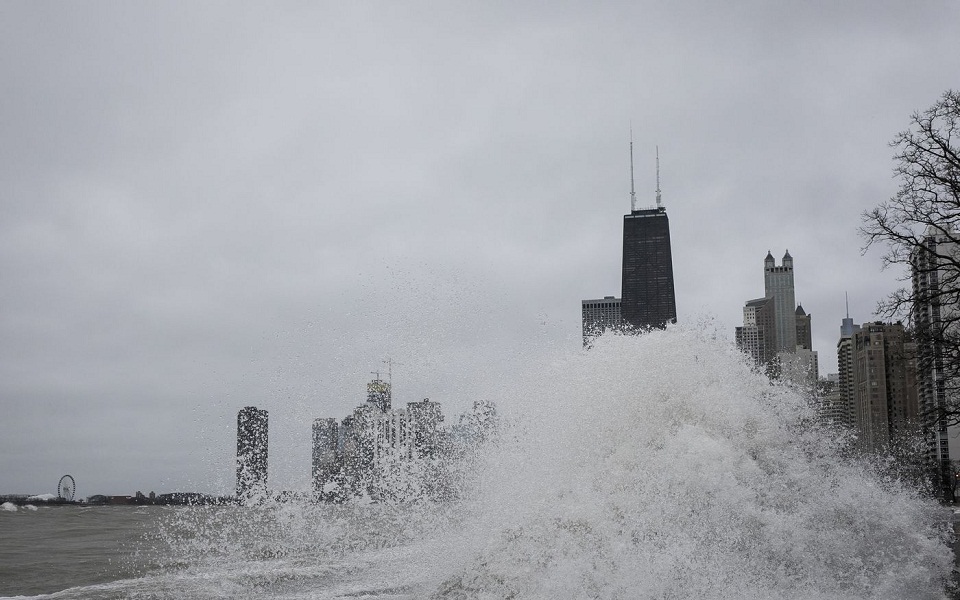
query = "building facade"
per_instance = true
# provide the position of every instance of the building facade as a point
(885, 385)
(379, 394)
(426, 418)
(799, 368)
(935, 288)
(778, 284)
(804, 329)
(846, 382)
(647, 295)
(599, 316)
(758, 336)
(393, 435)
(647, 290)
(326, 454)
(360, 455)
(830, 405)
(776, 332)
(252, 444)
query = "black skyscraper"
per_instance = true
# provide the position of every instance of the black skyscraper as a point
(648, 299)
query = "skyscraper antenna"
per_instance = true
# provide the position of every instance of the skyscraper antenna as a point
(846, 299)
(633, 192)
(390, 362)
(659, 204)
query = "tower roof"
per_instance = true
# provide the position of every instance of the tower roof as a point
(800, 312)
(769, 257)
(758, 301)
(786, 255)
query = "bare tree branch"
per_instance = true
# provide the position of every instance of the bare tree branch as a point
(919, 230)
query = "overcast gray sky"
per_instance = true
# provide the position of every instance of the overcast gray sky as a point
(210, 205)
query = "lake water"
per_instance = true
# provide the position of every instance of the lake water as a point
(657, 467)
(275, 551)
(51, 548)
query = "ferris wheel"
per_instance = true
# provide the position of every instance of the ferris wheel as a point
(66, 488)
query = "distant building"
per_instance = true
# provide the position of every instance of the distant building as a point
(804, 329)
(647, 291)
(355, 456)
(778, 284)
(363, 439)
(884, 374)
(348, 452)
(846, 382)
(326, 437)
(648, 299)
(426, 418)
(379, 394)
(804, 357)
(830, 406)
(758, 336)
(800, 368)
(393, 435)
(600, 315)
(476, 426)
(251, 453)
(935, 318)
(776, 332)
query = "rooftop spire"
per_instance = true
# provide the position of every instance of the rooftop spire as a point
(659, 204)
(633, 193)
(846, 299)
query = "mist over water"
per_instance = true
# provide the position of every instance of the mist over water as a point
(657, 466)
(663, 467)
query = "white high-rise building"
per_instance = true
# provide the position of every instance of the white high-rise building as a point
(600, 315)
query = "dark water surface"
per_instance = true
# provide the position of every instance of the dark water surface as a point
(54, 548)
(278, 550)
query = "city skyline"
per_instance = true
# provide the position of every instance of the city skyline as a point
(213, 208)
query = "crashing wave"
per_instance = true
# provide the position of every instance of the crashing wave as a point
(662, 466)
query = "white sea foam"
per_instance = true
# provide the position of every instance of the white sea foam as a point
(663, 467)
(657, 466)
(42, 498)
(8, 506)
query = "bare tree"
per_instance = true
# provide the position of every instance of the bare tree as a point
(919, 228)
(954, 479)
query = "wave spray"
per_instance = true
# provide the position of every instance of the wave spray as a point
(662, 466)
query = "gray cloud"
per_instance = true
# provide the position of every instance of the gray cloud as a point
(205, 207)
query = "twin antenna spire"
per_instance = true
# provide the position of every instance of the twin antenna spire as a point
(633, 191)
(659, 203)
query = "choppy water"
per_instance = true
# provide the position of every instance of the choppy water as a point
(50, 548)
(653, 467)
